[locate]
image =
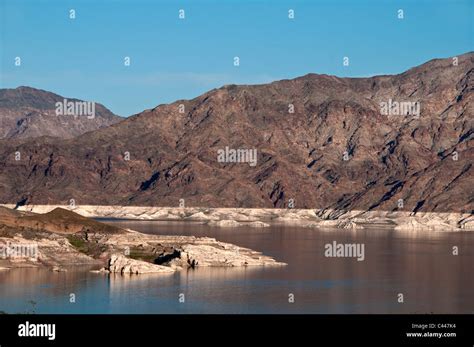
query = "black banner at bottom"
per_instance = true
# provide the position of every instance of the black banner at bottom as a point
(385, 330)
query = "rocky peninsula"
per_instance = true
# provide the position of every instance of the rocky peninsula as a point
(61, 238)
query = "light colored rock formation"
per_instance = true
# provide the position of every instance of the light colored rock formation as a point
(225, 223)
(224, 255)
(193, 251)
(339, 224)
(467, 223)
(427, 224)
(119, 263)
(232, 223)
(55, 251)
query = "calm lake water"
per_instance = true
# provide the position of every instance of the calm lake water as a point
(419, 265)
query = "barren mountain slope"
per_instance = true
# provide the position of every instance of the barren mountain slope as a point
(28, 112)
(425, 160)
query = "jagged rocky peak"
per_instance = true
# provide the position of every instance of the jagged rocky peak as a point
(27, 112)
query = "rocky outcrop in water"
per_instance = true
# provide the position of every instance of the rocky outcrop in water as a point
(226, 255)
(62, 238)
(118, 263)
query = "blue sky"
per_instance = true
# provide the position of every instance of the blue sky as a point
(179, 59)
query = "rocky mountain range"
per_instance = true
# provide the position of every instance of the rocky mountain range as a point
(28, 112)
(393, 142)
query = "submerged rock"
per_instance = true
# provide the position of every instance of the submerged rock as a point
(58, 269)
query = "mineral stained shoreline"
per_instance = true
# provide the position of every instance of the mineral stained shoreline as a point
(264, 217)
